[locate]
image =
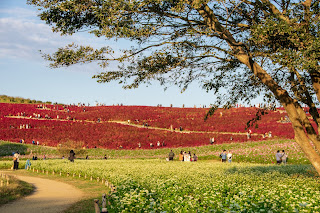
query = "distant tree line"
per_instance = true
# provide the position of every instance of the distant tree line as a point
(9, 99)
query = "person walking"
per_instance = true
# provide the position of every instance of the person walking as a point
(284, 157)
(171, 155)
(72, 156)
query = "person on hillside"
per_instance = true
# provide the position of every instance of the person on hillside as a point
(195, 158)
(87, 157)
(105, 157)
(171, 155)
(248, 135)
(223, 156)
(212, 140)
(72, 156)
(284, 157)
(171, 127)
(278, 157)
(181, 156)
(16, 160)
(229, 157)
(139, 145)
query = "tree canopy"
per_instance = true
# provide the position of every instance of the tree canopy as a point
(247, 47)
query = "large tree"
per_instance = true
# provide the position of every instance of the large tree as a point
(247, 47)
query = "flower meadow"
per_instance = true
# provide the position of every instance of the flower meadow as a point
(205, 186)
(115, 127)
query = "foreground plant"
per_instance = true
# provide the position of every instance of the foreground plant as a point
(160, 186)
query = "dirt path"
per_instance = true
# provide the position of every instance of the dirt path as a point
(141, 126)
(49, 197)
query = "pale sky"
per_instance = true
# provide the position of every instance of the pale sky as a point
(24, 73)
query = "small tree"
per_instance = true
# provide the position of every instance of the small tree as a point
(248, 48)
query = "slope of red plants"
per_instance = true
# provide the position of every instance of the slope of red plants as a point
(55, 124)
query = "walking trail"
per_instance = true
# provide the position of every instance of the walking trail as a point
(140, 126)
(49, 197)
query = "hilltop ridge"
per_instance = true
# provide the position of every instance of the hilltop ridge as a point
(20, 100)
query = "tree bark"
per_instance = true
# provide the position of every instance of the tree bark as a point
(315, 77)
(302, 139)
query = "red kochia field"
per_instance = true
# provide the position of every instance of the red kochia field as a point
(124, 125)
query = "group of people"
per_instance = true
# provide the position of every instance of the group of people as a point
(281, 157)
(151, 144)
(183, 156)
(226, 156)
(35, 142)
(187, 156)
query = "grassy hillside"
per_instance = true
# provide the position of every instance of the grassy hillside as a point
(253, 152)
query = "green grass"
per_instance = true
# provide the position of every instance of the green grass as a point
(15, 190)
(253, 152)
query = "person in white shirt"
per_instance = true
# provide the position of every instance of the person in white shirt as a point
(186, 157)
(229, 157)
(16, 160)
(284, 157)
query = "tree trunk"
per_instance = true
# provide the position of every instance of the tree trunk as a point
(301, 137)
(296, 114)
(316, 86)
(312, 135)
(299, 123)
